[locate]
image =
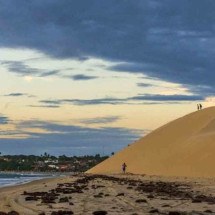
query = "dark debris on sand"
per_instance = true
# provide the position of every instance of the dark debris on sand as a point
(151, 189)
(9, 213)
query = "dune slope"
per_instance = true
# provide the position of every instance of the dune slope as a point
(183, 147)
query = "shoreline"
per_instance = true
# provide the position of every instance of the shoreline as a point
(27, 182)
(24, 184)
(33, 172)
(8, 179)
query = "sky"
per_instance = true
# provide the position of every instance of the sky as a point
(83, 77)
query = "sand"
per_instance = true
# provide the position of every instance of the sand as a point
(113, 194)
(183, 147)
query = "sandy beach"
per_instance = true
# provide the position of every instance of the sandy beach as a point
(113, 194)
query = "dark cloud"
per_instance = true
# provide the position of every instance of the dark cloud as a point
(163, 102)
(100, 120)
(22, 69)
(67, 139)
(145, 85)
(158, 97)
(49, 73)
(51, 102)
(4, 120)
(45, 106)
(81, 77)
(128, 100)
(112, 101)
(16, 94)
(20, 95)
(170, 39)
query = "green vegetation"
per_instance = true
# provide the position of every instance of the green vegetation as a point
(47, 163)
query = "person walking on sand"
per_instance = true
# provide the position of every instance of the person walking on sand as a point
(197, 106)
(124, 166)
(200, 106)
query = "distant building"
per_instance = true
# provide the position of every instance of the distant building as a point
(64, 167)
(40, 164)
(53, 166)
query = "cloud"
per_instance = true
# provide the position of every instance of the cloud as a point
(145, 85)
(80, 77)
(158, 97)
(100, 120)
(67, 139)
(22, 69)
(4, 120)
(16, 94)
(112, 101)
(165, 39)
(19, 95)
(99, 101)
(128, 100)
(49, 73)
(51, 102)
(45, 106)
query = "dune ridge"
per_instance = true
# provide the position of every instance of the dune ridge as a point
(183, 147)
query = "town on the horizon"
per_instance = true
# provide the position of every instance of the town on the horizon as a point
(49, 163)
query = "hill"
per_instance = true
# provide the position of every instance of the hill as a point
(183, 147)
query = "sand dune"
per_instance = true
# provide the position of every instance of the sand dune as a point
(183, 147)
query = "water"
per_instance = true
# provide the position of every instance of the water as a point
(8, 179)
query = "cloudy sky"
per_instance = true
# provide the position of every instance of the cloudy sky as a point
(91, 76)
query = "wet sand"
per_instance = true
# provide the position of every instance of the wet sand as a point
(116, 194)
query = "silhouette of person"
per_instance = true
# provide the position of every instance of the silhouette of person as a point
(124, 166)
(197, 106)
(200, 106)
